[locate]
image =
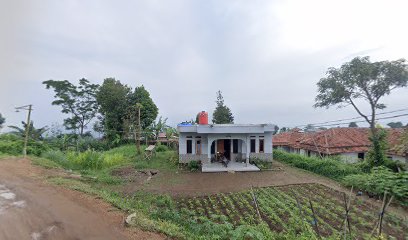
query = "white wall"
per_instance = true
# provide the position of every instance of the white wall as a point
(399, 158)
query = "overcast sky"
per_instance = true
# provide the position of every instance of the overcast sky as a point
(265, 56)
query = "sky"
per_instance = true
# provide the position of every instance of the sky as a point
(265, 56)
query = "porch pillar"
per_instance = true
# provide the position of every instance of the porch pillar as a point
(209, 141)
(248, 149)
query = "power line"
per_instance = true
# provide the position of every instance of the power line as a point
(389, 117)
(348, 119)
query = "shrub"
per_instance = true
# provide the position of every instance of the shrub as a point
(261, 164)
(161, 148)
(13, 145)
(110, 160)
(193, 166)
(57, 157)
(379, 180)
(323, 166)
(89, 159)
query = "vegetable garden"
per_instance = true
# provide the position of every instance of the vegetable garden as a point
(288, 210)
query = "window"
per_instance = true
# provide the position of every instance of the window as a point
(198, 147)
(253, 145)
(235, 145)
(189, 146)
(261, 145)
(360, 155)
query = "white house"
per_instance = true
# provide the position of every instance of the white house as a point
(237, 142)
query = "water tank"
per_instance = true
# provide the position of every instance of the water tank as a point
(203, 118)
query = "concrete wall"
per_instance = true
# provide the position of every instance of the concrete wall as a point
(207, 139)
(399, 159)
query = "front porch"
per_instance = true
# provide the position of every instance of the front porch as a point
(232, 166)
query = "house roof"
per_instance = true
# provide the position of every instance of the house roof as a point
(336, 140)
(226, 128)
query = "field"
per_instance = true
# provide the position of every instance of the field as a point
(278, 208)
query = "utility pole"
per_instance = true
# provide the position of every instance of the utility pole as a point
(138, 127)
(28, 108)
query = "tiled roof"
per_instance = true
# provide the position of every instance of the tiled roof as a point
(336, 140)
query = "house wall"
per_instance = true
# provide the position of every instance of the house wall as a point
(349, 157)
(399, 159)
(267, 155)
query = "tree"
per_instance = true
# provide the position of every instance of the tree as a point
(361, 79)
(149, 110)
(353, 125)
(158, 127)
(284, 129)
(2, 121)
(276, 130)
(113, 99)
(309, 128)
(395, 125)
(222, 114)
(78, 101)
(34, 133)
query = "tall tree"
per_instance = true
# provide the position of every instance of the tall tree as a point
(2, 121)
(222, 114)
(276, 130)
(158, 127)
(78, 101)
(34, 133)
(353, 125)
(395, 125)
(363, 80)
(113, 99)
(149, 110)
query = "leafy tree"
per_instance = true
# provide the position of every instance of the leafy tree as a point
(78, 101)
(361, 79)
(353, 125)
(149, 110)
(395, 125)
(113, 99)
(222, 114)
(276, 130)
(284, 129)
(34, 133)
(377, 150)
(309, 128)
(158, 127)
(2, 121)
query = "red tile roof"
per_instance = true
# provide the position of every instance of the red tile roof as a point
(335, 140)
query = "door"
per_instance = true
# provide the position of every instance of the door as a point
(220, 146)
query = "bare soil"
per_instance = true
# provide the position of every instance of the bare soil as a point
(30, 208)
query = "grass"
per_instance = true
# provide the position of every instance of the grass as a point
(221, 216)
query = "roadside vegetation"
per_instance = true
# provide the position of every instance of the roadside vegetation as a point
(374, 181)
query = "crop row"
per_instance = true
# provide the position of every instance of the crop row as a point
(287, 209)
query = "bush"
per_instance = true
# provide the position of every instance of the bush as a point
(161, 148)
(194, 166)
(57, 157)
(326, 167)
(261, 164)
(379, 180)
(13, 145)
(115, 159)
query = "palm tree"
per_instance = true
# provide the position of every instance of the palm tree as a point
(34, 133)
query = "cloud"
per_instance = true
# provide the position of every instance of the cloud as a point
(265, 56)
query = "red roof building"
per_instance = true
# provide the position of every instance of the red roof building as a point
(349, 143)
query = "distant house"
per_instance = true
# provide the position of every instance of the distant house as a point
(350, 144)
(236, 142)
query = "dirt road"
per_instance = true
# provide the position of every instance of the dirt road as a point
(32, 209)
